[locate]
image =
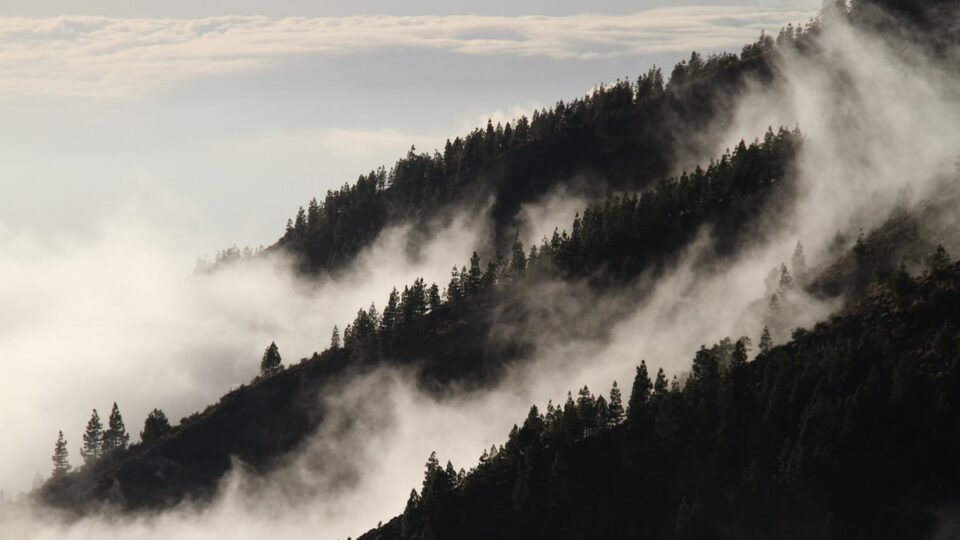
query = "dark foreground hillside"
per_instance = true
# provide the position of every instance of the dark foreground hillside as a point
(850, 430)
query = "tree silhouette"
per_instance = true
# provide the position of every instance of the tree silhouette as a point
(335, 338)
(61, 463)
(115, 437)
(766, 343)
(271, 362)
(615, 407)
(92, 447)
(154, 427)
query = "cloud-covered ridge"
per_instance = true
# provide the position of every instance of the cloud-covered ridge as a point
(114, 57)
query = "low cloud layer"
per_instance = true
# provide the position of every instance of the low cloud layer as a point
(109, 57)
(121, 318)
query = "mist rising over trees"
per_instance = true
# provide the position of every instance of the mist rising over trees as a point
(847, 428)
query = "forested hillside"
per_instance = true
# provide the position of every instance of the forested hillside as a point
(623, 136)
(443, 335)
(850, 430)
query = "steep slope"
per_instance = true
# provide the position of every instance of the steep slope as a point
(850, 430)
(621, 137)
(444, 339)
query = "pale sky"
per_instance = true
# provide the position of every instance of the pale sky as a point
(215, 119)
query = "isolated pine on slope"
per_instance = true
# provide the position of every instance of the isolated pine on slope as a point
(92, 447)
(271, 362)
(116, 436)
(155, 426)
(61, 463)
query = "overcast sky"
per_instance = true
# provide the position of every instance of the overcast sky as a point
(215, 119)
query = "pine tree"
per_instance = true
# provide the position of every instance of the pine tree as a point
(740, 353)
(475, 276)
(490, 275)
(390, 318)
(155, 426)
(454, 288)
(615, 407)
(271, 362)
(786, 280)
(116, 436)
(766, 343)
(799, 263)
(433, 298)
(939, 260)
(518, 261)
(92, 447)
(660, 386)
(335, 338)
(640, 392)
(61, 463)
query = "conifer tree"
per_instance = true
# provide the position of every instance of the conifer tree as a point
(475, 276)
(740, 353)
(454, 290)
(490, 275)
(61, 463)
(518, 260)
(271, 362)
(641, 390)
(660, 386)
(766, 343)
(602, 416)
(615, 406)
(92, 447)
(939, 260)
(433, 298)
(799, 263)
(116, 436)
(155, 426)
(786, 280)
(390, 318)
(335, 338)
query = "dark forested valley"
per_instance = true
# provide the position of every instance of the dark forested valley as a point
(846, 428)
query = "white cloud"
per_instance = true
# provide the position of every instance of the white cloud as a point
(112, 57)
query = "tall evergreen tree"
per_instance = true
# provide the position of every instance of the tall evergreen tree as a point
(454, 288)
(475, 276)
(786, 280)
(799, 263)
(660, 386)
(518, 259)
(740, 352)
(92, 447)
(335, 338)
(390, 318)
(271, 362)
(433, 298)
(615, 407)
(154, 427)
(61, 462)
(939, 260)
(766, 343)
(640, 392)
(116, 436)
